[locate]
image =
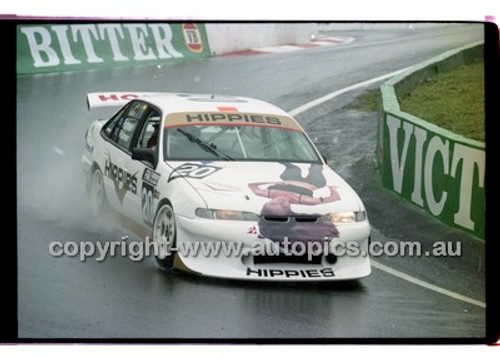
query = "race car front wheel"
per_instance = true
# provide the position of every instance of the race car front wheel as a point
(164, 235)
(97, 195)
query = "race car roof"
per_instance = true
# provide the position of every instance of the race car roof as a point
(185, 102)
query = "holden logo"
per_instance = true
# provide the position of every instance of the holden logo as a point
(192, 37)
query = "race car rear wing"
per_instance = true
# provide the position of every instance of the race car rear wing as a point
(112, 99)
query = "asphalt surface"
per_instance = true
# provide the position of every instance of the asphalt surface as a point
(118, 298)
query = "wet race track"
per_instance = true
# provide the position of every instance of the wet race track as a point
(407, 297)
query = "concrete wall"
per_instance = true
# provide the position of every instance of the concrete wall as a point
(226, 38)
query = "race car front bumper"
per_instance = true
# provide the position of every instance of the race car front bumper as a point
(240, 256)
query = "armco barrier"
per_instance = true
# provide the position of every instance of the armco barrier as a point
(436, 169)
(60, 47)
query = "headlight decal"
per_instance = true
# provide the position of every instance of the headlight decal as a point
(345, 217)
(217, 214)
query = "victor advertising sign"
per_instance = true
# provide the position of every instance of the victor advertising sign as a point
(441, 172)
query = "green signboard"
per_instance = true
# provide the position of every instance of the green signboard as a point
(439, 171)
(69, 47)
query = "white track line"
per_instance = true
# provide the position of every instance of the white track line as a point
(427, 285)
(375, 264)
(334, 94)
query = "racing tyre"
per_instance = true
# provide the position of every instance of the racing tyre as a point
(164, 236)
(97, 196)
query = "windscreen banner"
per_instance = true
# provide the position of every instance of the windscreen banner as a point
(43, 48)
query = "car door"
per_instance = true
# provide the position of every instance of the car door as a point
(120, 182)
(140, 207)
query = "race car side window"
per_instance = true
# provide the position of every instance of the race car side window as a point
(112, 128)
(149, 134)
(120, 129)
(124, 137)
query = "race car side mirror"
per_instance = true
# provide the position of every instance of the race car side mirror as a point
(144, 154)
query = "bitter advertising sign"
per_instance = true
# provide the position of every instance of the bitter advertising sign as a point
(69, 47)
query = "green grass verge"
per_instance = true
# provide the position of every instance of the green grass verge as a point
(453, 100)
(367, 102)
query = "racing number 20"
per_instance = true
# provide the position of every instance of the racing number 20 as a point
(147, 204)
(194, 171)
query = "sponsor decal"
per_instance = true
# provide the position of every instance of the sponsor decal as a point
(117, 97)
(62, 47)
(278, 221)
(437, 173)
(193, 171)
(123, 181)
(150, 180)
(150, 176)
(231, 118)
(112, 99)
(282, 273)
(192, 37)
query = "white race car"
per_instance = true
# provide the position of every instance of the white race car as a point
(234, 174)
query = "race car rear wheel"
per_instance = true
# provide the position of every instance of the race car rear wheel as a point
(97, 196)
(164, 235)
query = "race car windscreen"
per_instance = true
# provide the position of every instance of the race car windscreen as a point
(237, 142)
